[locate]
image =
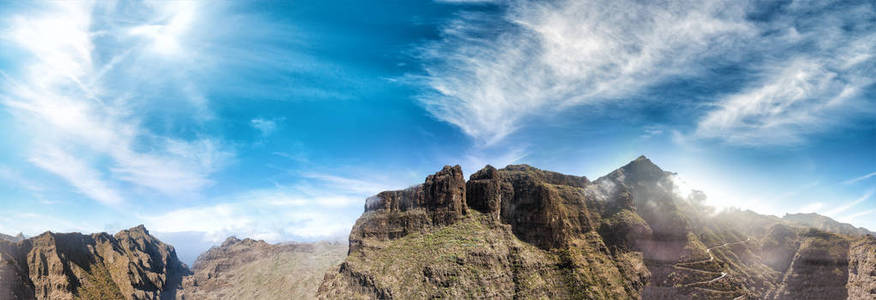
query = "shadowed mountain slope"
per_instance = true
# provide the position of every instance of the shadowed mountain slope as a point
(131, 264)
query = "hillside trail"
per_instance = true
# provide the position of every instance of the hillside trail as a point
(711, 258)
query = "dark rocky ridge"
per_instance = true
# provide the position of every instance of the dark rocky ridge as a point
(525, 232)
(131, 264)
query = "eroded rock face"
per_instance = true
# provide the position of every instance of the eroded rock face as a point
(862, 269)
(393, 214)
(130, 265)
(819, 270)
(543, 208)
(530, 233)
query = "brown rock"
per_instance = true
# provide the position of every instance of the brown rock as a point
(862, 269)
(255, 269)
(394, 214)
(130, 265)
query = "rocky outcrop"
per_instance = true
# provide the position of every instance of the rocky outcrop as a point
(529, 233)
(130, 265)
(255, 269)
(544, 208)
(862, 269)
(394, 214)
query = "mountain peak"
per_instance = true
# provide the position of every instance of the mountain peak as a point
(231, 240)
(640, 169)
(642, 162)
(139, 228)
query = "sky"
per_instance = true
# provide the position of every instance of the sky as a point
(275, 120)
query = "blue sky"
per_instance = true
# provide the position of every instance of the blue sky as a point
(276, 120)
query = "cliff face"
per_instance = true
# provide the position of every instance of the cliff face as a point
(130, 265)
(515, 232)
(525, 232)
(251, 269)
(395, 214)
(862, 269)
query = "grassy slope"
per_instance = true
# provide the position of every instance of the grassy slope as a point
(475, 258)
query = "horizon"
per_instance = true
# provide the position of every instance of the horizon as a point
(275, 121)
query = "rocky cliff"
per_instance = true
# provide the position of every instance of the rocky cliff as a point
(522, 232)
(514, 232)
(131, 264)
(862, 269)
(254, 269)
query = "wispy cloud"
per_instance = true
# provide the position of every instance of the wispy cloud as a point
(322, 207)
(264, 126)
(79, 173)
(844, 207)
(858, 179)
(852, 217)
(12, 221)
(549, 56)
(819, 60)
(803, 65)
(83, 129)
(804, 96)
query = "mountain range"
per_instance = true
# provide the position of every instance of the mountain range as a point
(515, 232)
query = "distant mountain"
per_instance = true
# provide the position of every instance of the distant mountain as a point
(521, 232)
(825, 223)
(12, 238)
(254, 269)
(131, 264)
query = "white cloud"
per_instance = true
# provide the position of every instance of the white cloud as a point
(857, 179)
(852, 217)
(12, 222)
(323, 206)
(80, 174)
(490, 76)
(476, 159)
(842, 208)
(266, 127)
(552, 55)
(166, 33)
(803, 97)
(811, 82)
(80, 128)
